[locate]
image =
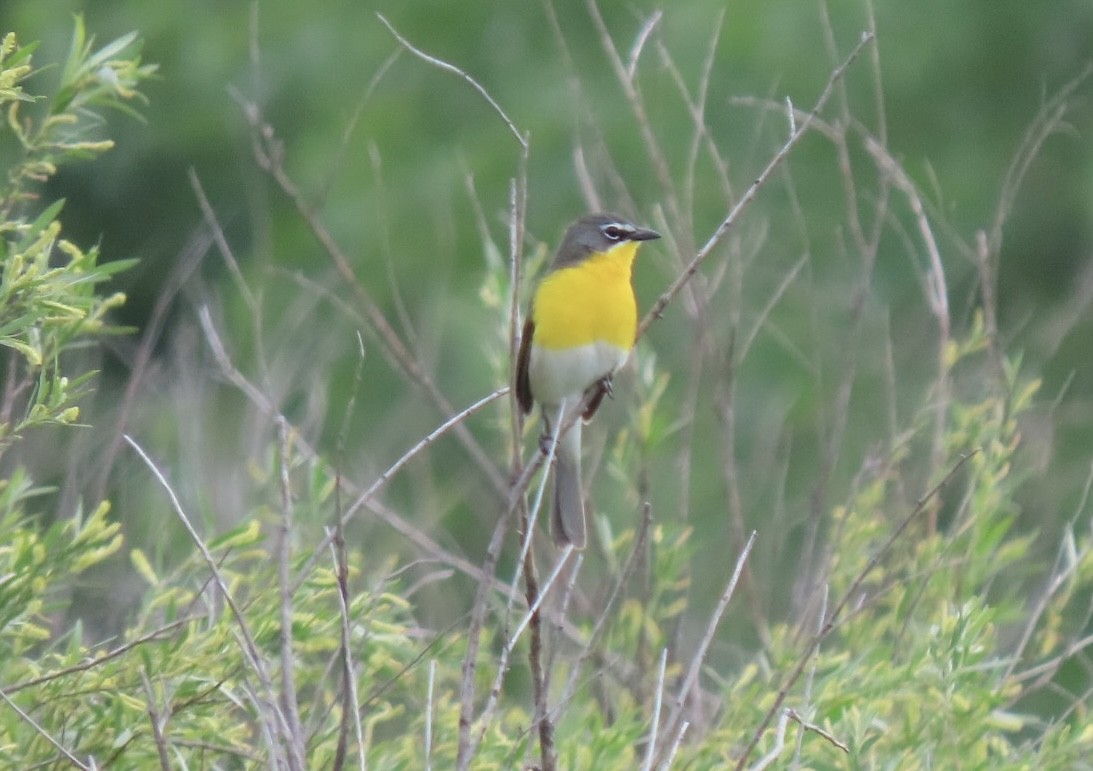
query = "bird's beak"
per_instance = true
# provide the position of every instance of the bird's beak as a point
(641, 234)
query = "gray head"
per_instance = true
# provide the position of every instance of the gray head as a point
(597, 233)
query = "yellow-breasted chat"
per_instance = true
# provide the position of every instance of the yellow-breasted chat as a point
(579, 329)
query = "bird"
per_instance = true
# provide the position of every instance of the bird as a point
(580, 328)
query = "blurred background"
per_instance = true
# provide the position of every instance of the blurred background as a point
(410, 170)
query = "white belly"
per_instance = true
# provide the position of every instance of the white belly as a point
(556, 374)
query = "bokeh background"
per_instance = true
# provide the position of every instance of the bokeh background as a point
(404, 164)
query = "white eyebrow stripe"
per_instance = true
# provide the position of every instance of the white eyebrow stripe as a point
(624, 228)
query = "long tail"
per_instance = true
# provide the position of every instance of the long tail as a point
(567, 512)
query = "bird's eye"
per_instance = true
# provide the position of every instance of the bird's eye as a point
(612, 232)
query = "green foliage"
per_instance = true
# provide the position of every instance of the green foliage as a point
(50, 295)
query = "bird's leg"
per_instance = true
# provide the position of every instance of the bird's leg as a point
(546, 439)
(594, 396)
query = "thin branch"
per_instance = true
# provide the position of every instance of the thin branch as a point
(467, 744)
(429, 709)
(675, 747)
(609, 607)
(486, 718)
(295, 737)
(46, 735)
(711, 628)
(812, 727)
(156, 721)
(654, 723)
(446, 67)
(153, 636)
(349, 673)
(539, 671)
(749, 195)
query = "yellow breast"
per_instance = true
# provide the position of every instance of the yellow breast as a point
(588, 303)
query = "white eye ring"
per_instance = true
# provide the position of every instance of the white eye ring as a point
(613, 232)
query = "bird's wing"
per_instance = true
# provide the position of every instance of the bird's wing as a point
(523, 364)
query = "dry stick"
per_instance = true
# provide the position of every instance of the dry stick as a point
(547, 754)
(526, 563)
(343, 148)
(989, 243)
(446, 67)
(749, 195)
(518, 194)
(1046, 123)
(121, 650)
(780, 738)
(429, 708)
(506, 651)
(700, 348)
(276, 726)
(711, 628)
(350, 701)
(154, 719)
(609, 607)
(675, 747)
(295, 737)
(350, 710)
(46, 735)
(465, 750)
(696, 106)
(834, 619)
(529, 518)
(654, 724)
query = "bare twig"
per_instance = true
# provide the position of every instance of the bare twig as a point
(749, 195)
(416, 535)
(153, 636)
(780, 738)
(506, 651)
(429, 709)
(795, 717)
(711, 628)
(284, 556)
(446, 67)
(607, 613)
(46, 735)
(654, 723)
(637, 105)
(675, 747)
(156, 721)
(467, 745)
(349, 672)
(539, 673)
